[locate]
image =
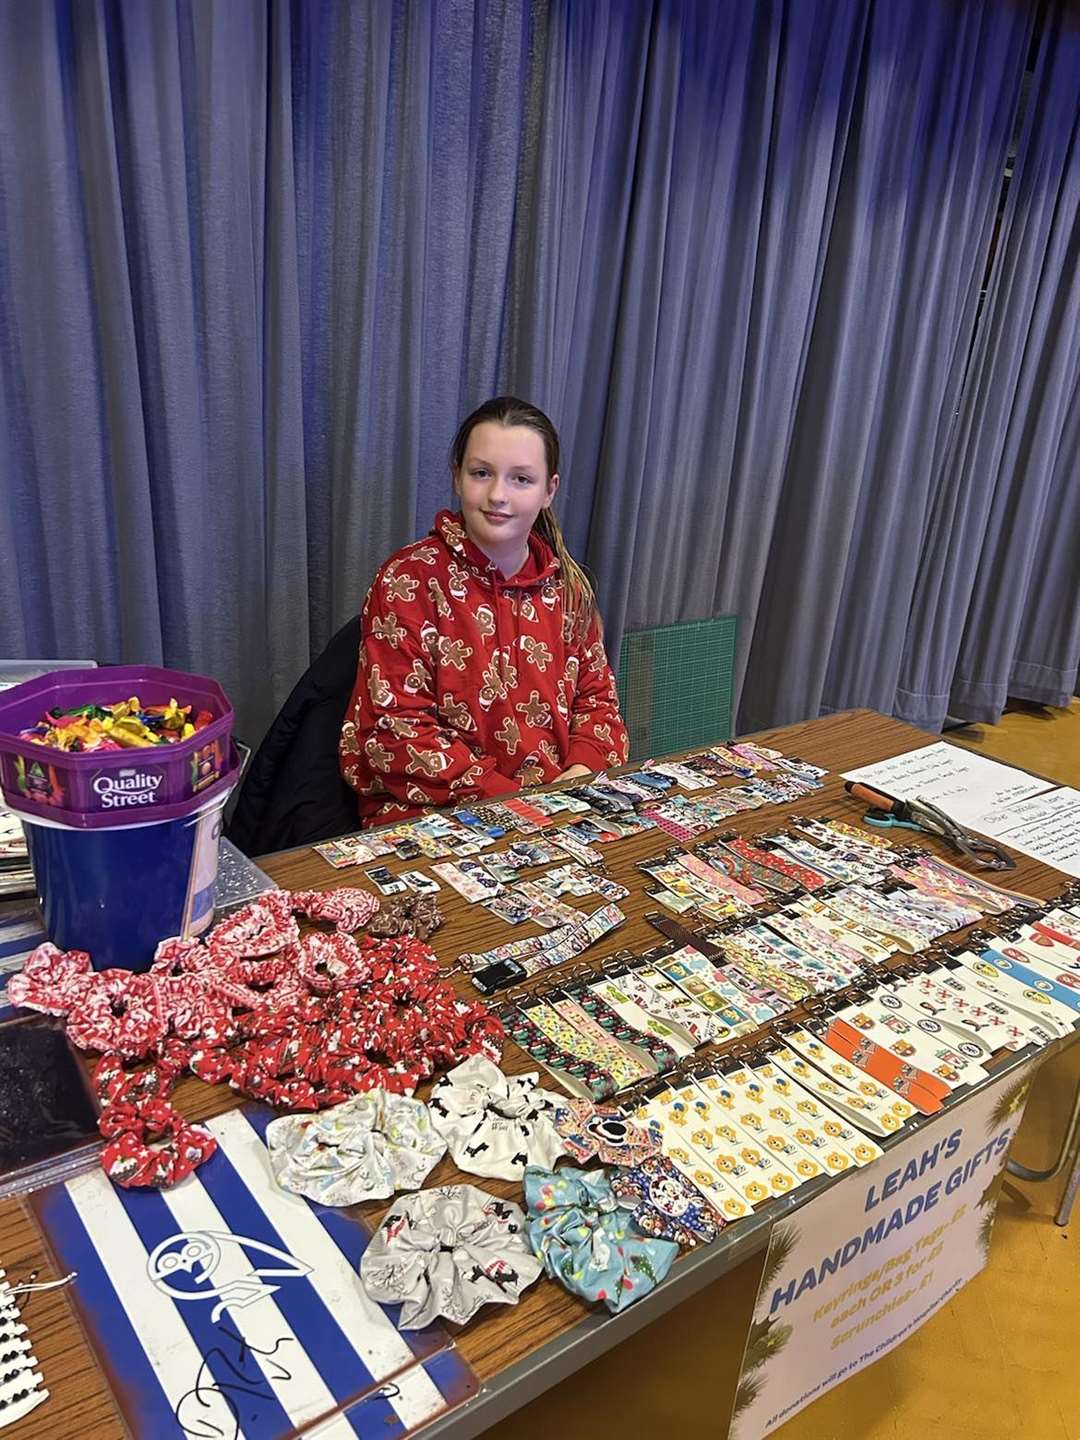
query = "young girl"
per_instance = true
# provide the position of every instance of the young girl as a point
(482, 667)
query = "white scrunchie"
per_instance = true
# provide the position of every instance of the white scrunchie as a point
(496, 1124)
(448, 1251)
(364, 1149)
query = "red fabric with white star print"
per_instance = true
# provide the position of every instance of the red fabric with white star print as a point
(333, 1017)
(471, 685)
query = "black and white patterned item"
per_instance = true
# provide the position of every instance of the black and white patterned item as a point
(448, 1251)
(496, 1124)
(21, 1386)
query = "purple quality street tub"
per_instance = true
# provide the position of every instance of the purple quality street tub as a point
(117, 891)
(111, 787)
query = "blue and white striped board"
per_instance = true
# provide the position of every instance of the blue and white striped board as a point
(228, 1307)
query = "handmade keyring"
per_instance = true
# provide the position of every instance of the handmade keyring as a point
(665, 1204)
(131, 1161)
(590, 1131)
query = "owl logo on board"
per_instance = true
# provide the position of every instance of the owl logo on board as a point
(217, 1265)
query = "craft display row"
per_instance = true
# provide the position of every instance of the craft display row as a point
(806, 998)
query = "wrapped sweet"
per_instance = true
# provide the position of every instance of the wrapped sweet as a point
(123, 725)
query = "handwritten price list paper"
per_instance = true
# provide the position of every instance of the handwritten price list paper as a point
(1029, 815)
(964, 785)
(1046, 827)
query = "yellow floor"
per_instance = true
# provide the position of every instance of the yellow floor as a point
(1034, 736)
(1002, 1360)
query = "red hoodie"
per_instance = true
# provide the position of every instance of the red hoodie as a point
(471, 685)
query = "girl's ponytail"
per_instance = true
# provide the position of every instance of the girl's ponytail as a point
(580, 600)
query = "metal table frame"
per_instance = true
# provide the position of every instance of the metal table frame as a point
(1070, 1146)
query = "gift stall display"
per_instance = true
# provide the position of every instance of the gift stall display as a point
(607, 808)
(799, 1003)
(820, 952)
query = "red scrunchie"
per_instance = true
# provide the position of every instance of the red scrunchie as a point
(131, 1161)
(302, 1023)
(120, 1013)
(51, 980)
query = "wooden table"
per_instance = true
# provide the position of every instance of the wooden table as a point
(516, 1352)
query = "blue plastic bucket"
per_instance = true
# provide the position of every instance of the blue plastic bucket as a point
(117, 892)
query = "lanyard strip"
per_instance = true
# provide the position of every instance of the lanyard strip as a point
(925, 1092)
(817, 1127)
(507, 964)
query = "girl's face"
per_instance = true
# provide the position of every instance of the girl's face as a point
(503, 485)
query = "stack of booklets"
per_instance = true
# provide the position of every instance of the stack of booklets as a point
(16, 877)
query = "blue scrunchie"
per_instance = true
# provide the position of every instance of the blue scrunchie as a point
(588, 1242)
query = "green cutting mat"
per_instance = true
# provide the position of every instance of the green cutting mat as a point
(675, 684)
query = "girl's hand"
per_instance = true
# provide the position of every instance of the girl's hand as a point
(573, 772)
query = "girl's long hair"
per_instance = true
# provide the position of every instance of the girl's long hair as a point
(508, 410)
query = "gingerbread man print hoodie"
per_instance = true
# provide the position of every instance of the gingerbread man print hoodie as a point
(471, 685)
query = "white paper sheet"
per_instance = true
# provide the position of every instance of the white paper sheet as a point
(1046, 827)
(966, 786)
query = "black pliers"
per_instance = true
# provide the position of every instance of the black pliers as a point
(979, 850)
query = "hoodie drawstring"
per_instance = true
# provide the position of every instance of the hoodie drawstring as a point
(497, 597)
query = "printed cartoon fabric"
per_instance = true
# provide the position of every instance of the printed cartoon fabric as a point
(595, 1132)
(665, 1204)
(588, 1242)
(495, 1124)
(470, 684)
(448, 1251)
(363, 1149)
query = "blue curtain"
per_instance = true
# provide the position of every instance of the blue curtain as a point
(257, 259)
(749, 297)
(151, 442)
(997, 608)
(252, 265)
